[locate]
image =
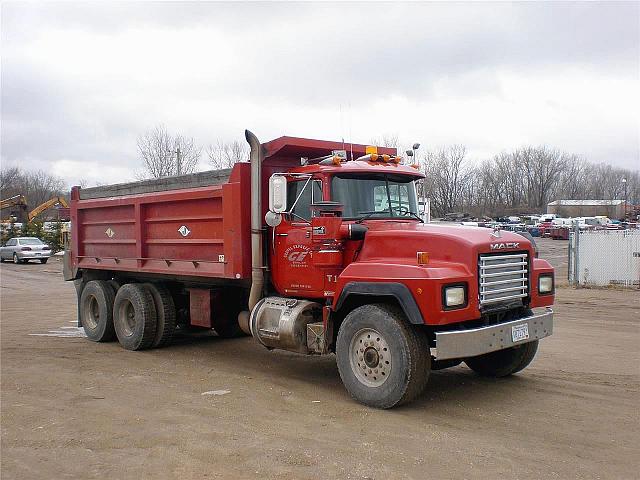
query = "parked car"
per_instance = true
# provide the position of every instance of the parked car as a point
(23, 249)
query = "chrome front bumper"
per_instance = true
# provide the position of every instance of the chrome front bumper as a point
(476, 341)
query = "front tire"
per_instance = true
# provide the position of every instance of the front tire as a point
(43, 260)
(134, 317)
(96, 311)
(503, 362)
(383, 361)
(16, 260)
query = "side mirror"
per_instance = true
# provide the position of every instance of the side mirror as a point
(278, 193)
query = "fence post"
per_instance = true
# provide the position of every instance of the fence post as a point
(576, 254)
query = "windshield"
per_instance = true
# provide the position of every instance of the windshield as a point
(377, 196)
(30, 241)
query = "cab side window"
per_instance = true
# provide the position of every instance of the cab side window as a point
(312, 193)
(11, 242)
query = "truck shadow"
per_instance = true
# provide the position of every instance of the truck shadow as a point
(456, 386)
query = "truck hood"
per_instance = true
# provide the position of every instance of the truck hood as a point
(398, 242)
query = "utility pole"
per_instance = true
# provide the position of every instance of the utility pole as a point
(624, 184)
(179, 161)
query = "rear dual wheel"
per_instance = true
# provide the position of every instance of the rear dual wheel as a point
(140, 315)
(165, 313)
(134, 317)
(96, 311)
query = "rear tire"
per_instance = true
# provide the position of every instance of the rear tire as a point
(96, 311)
(134, 317)
(166, 313)
(503, 362)
(382, 359)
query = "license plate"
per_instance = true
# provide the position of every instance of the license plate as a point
(520, 332)
(38, 254)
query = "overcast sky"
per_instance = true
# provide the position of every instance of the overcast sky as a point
(80, 81)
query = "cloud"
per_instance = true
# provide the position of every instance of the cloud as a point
(81, 81)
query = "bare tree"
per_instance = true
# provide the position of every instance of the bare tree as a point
(227, 154)
(386, 140)
(8, 177)
(447, 173)
(37, 186)
(159, 153)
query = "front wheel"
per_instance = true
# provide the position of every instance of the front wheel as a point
(43, 260)
(503, 362)
(383, 361)
(16, 260)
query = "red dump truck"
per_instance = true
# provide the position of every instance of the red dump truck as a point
(314, 248)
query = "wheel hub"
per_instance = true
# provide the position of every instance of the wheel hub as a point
(370, 357)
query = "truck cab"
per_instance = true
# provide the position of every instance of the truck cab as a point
(347, 234)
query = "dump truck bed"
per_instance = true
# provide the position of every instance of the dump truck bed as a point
(191, 225)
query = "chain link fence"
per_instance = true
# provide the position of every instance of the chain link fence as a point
(604, 258)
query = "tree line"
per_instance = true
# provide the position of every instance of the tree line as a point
(524, 180)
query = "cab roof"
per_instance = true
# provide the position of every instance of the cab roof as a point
(359, 166)
(296, 147)
(287, 152)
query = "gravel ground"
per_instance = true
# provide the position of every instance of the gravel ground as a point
(212, 408)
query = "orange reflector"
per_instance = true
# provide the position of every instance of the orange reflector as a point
(385, 158)
(423, 258)
(416, 166)
(396, 159)
(373, 157)
(337, 160)
(370, 149)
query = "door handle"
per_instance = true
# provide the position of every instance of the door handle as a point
(282, 234)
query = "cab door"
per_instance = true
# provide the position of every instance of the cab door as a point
(292, 268)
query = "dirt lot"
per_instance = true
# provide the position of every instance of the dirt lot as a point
(75, 409)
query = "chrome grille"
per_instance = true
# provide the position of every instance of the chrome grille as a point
(503, 277)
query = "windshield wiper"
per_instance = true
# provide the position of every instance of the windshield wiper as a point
(368, 214)
(416, 216)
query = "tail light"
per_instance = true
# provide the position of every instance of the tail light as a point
(25, 249)
(46, 247)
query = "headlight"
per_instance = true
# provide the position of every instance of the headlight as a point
(454, 296)
(545, 284)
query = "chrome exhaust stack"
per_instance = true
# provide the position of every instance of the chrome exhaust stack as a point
(257, 261)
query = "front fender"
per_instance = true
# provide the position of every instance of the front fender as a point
(383, 289)
(416, 288)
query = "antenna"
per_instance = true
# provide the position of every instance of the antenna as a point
(341, 126)
(350, 132)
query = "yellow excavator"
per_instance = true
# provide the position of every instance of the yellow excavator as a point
(17, 206)
(47, 205)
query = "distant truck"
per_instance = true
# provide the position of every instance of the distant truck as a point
(314, 249)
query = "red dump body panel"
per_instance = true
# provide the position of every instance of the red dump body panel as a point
(141, 233)
(144, 233)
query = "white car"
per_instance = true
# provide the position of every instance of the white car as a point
(23, 249)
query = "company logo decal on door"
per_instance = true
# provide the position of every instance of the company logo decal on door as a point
(297, 255)
(184, 231)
